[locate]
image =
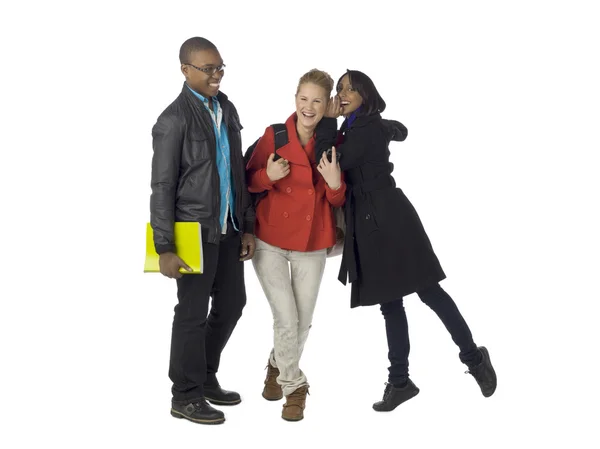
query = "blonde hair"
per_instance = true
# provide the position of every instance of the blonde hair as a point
(318, 77)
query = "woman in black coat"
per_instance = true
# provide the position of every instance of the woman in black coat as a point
(387, 254)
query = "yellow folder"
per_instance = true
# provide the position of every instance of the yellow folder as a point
(188, 244)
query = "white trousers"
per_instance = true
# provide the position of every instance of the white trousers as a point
(292, 297)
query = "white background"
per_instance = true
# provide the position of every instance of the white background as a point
(501, 100)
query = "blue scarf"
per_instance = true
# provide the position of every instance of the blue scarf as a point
(352, 117)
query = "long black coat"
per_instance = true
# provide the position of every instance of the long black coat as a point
(387, 254)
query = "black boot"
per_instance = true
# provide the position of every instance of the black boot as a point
(216, 395)
(198, 411)
(393, 397)
(484, 373)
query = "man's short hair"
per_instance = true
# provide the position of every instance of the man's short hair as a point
(192, 45)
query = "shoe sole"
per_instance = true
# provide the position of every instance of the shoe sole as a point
(179, 415)
(396, 406)
(293, 419)
(218, 402)
(272, 399)
(487, 354)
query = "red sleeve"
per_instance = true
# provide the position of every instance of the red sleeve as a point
(336, 197)
(256, 169)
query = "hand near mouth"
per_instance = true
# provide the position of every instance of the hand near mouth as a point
(334, 108)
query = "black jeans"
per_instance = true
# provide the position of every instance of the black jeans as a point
(197, 341)
(396, 327)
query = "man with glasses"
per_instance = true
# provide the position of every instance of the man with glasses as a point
(198, 175)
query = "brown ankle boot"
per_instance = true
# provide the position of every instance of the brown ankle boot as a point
(272, 390)
(293, 409)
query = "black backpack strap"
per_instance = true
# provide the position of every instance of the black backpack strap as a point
(281, 135)
(281, 139)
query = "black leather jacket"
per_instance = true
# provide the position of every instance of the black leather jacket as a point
(185, 180)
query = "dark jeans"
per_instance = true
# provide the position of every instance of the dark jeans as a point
(197, 341)
(396, 327)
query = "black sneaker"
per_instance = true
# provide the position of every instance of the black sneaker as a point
(484, 373)
(393, 397)
(199, 412)
(216, 395)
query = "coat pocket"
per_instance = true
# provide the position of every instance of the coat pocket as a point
(367, 220)
(199, 143)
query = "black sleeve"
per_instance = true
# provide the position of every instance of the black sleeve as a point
(167, 140)
(248, 213)
(325, 136)
(357, 146)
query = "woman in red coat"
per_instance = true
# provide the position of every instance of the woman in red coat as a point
(295, 226)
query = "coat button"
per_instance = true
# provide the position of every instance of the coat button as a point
(285, 214)
(368, 217)
(288, 190)
(308, 217)
(311, 191)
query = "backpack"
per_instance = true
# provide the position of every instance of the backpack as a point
(281, 139)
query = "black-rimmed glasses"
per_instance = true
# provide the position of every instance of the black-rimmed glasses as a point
(208, 70)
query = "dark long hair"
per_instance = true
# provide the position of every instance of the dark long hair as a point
(372, 101)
